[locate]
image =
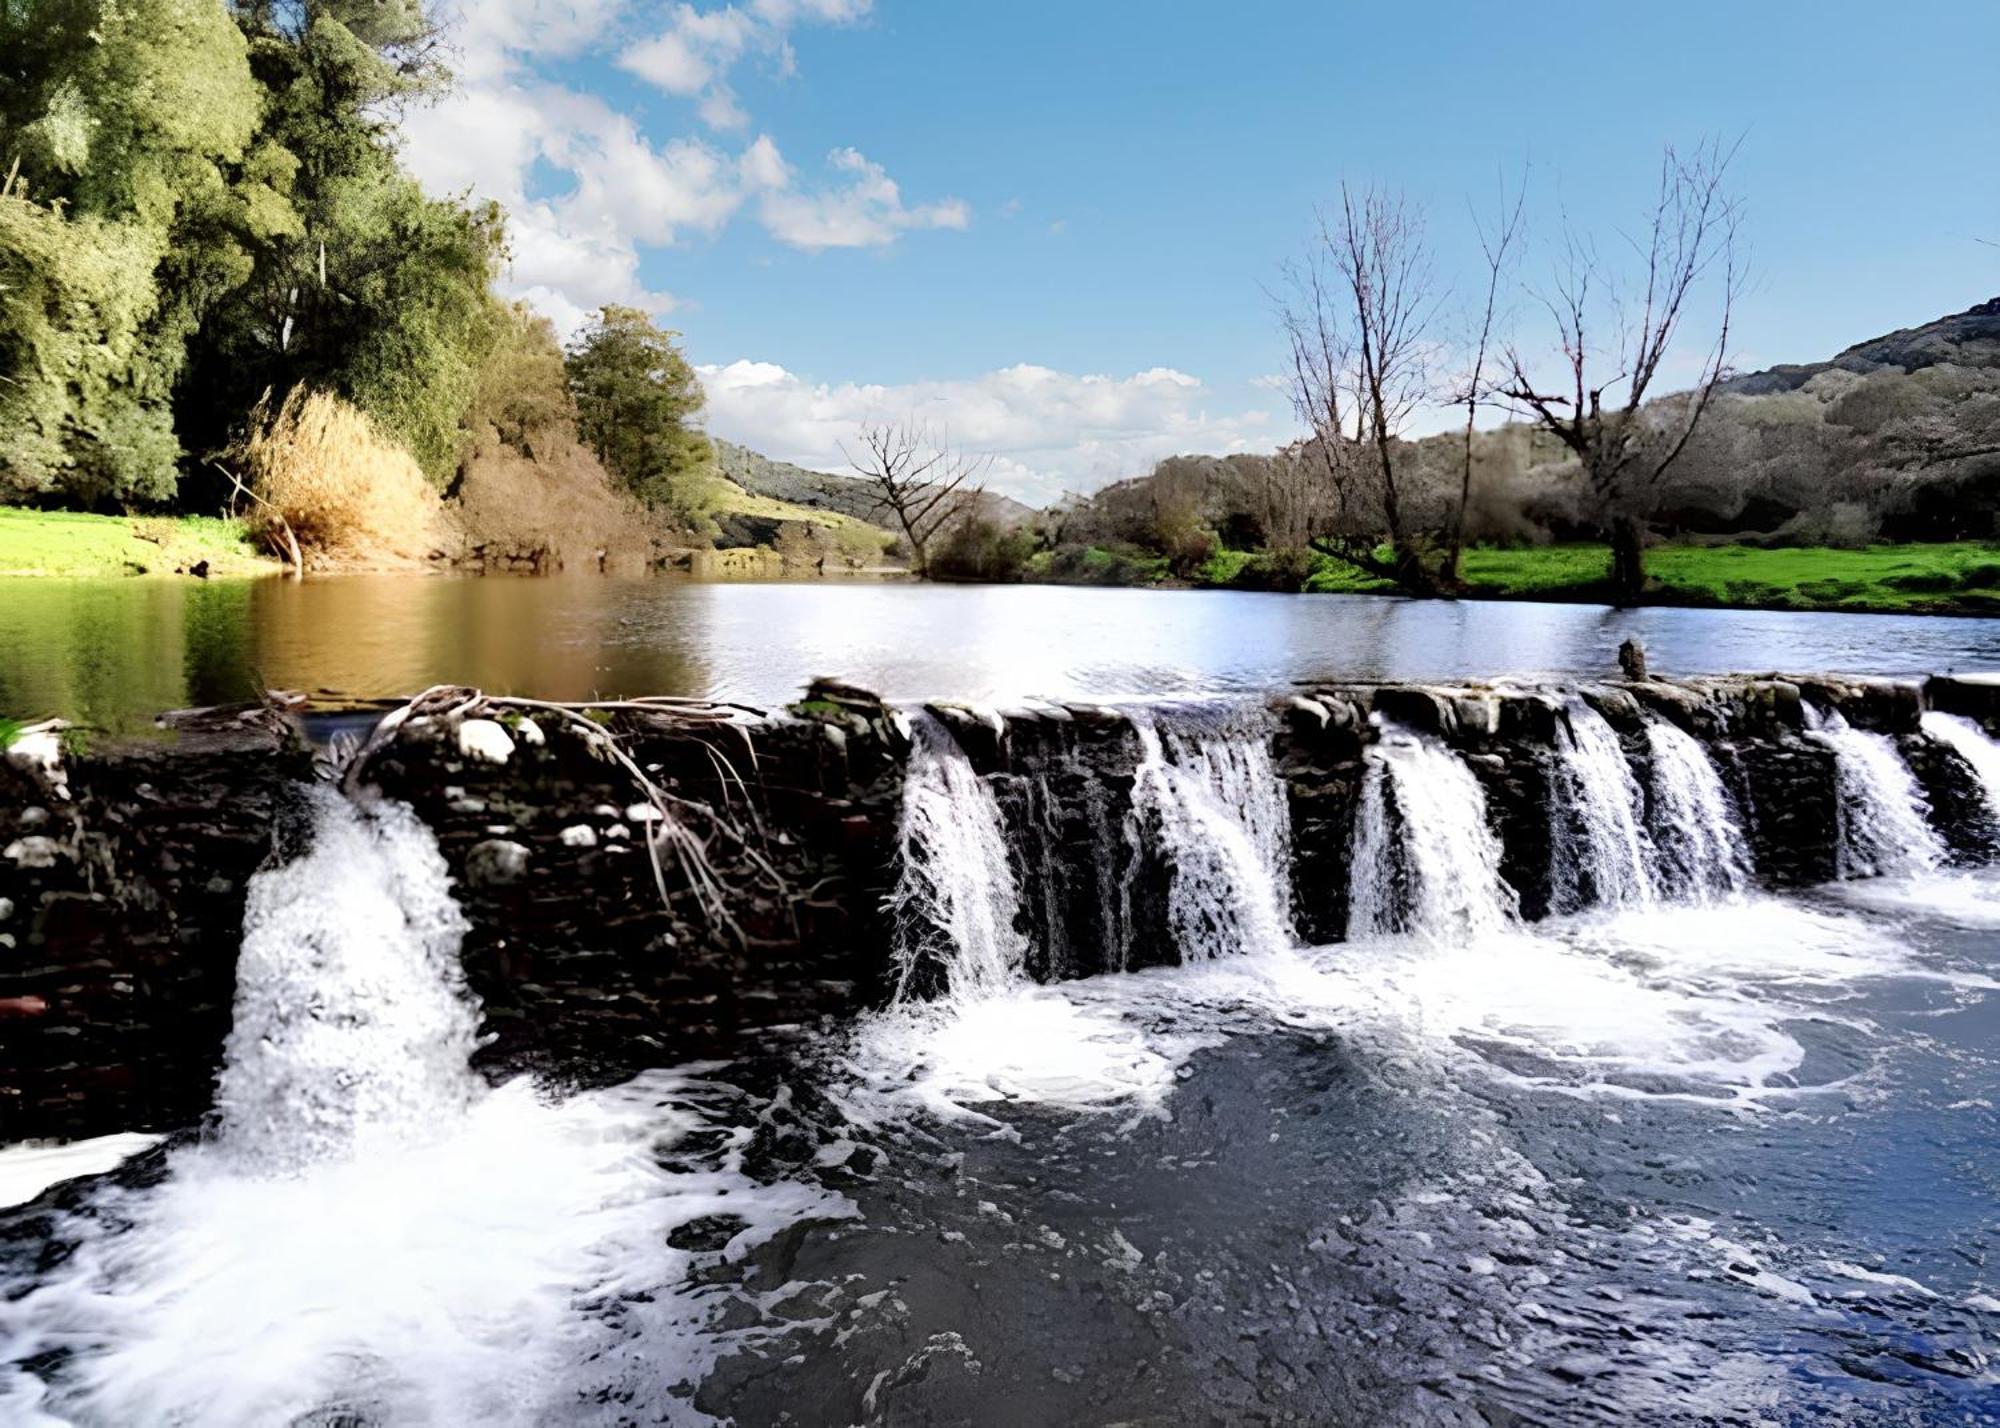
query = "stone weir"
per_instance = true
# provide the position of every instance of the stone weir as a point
(652, 882)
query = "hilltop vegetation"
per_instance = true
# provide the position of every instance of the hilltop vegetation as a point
(1872, 478)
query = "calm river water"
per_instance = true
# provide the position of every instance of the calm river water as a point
(116, 652)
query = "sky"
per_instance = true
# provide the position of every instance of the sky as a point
(1052, 229)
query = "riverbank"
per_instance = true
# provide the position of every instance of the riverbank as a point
(71, 544)
(1958, 578)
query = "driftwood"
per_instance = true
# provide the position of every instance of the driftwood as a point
(688, 829)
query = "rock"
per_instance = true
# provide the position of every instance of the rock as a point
(1478, 715)
(579, 835)
(1632, 659)
(33, 852)
(1423, 710)
(707, 1234)
(38, 753)
(530, 733)
(1619, 708)
(496, 863)
(485, 740)
(1310, 708)
(6, 908)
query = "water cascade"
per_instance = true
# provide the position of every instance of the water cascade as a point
(1699, 845)
(352, 1026)
(1424, 859)
(1600, 850)
(1216, 811)
(1971, 743)
(956, 906)
(1885, 823)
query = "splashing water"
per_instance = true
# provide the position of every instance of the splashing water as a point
(1599, 848)
(955, 904)
(1699, 845)
(1971, 743)
(374, 1236)
(1424, 860)
(1220, 816)
(352, 1032)
(1885, 823)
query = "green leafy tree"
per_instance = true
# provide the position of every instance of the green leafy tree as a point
(379, 293)
(523, 389)
(637, 400)
(128, 130)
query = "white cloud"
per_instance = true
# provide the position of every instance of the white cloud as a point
(1048, 431)
(607, 189)
(692, 57)
(863, 210)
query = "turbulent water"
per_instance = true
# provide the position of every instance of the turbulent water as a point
(371, 1235)
(1213, 803)
(1884, 817)
(955, 903)
(1688, 1154)
(1599, 848)
(1424, 859)
(1699, 843)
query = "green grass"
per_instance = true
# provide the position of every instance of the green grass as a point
(66, 543)
(1955, 578)
(1961, 576)
(723, 497)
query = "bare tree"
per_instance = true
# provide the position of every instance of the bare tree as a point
(1357, 316)
(920, 482)
(1625, 451)
(1497, 246)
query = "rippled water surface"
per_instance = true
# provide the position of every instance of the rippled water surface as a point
(119, 651)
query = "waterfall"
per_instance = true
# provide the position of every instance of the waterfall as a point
(1214, 802)
(352, 1026)
(955, 903)
(1598, 843)
(1884, 818)
(1699, 846)
(1970, 742)
(1424, 860)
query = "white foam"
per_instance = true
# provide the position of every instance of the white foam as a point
(449, 1283)
(26, 1170)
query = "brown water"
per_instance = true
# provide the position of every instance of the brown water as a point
(115, 652)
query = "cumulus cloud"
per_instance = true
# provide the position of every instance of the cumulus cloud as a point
(587, 189)
(692, 56)
(862, 208)
(1049, 432)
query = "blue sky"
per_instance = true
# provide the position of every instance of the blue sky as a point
(1051, 226)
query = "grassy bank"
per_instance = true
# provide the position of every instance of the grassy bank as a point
(1957, 578)
(66, 543)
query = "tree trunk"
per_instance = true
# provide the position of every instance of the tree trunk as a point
(1628, 560)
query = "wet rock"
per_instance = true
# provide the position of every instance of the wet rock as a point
(486, 740)
(33, 852)
(707, 1235)
(496, 863)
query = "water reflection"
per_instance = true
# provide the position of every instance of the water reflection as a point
(115, 652)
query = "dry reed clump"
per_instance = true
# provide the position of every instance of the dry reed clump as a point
(325, 484)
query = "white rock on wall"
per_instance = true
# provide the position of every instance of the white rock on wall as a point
(486, 740)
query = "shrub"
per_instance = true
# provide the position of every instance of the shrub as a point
(320, 472)
(978, 549)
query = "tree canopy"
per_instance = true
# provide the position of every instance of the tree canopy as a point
(636, 404)
(202, 205)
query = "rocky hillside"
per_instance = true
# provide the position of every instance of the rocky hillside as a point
(1965, 339)
(823, 490)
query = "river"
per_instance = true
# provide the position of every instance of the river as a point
(1689, 1152)
(116, 652)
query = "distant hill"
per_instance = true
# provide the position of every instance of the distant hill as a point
(825, 491)
(1965, 339)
